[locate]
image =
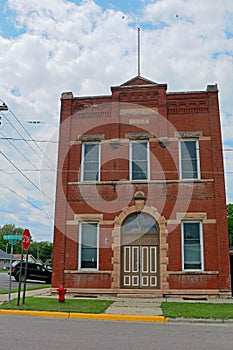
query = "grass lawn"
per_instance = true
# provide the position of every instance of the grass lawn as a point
(15, 290)
(197, 310)
(52, 304)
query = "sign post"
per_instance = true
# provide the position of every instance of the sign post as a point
(12, 241)
(20, 276)
(26, 241)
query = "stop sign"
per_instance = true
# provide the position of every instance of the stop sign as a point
(26, 239)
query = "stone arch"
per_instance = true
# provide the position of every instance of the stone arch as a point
(116, 246)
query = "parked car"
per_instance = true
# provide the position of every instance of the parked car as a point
(34, 272)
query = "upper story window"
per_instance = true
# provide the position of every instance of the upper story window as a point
(189, 159)
(90, 165)
(192, 242)
(139, 160)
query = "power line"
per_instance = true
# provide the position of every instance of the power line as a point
(27, 140)
(24, 156)
(35, 206)
(44, 154)
(28, 170)
(151, 146)
(27, 178)
(114, 171)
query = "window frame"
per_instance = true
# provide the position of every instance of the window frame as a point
(196, 140)
(147, 159)
(80, 246)
(82, 161)
(201, 243)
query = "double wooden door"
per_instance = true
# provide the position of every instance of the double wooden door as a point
(139, 267)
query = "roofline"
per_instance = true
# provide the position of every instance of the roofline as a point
(150, 82)
(137, 86)
(92, 97)
(209, 88)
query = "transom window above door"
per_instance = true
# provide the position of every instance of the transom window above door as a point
(139, 222)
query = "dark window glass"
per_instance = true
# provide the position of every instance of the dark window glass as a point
(89, 246)
(139, 161)
(192, 246)
(90, 162)
(189, 161)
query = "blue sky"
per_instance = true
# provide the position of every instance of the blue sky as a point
(48, 47)
(129, 6)
(8, 16)
(7, 24)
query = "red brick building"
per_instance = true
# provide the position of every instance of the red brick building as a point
(140, 205)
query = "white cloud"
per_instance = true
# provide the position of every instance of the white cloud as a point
(85, 49)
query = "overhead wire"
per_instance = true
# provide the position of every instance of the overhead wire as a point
(24, 156)
(52, 141)
(27, 178)
(27, 201)
(27, 140)
(44, 154)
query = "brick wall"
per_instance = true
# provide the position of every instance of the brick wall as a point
(193, 113)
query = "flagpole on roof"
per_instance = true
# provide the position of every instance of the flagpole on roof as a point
(139, 53)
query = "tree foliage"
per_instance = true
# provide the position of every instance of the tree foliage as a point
(10, 229)
(230, 222)
(229, 210)
(40, 250)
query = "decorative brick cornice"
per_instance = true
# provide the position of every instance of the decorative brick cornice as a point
(189, 107)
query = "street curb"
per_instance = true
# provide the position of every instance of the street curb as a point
(34, 313)
(201, 320)
(120, 317)
(72, 315)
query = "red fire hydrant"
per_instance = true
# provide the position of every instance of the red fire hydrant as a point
(61, 293)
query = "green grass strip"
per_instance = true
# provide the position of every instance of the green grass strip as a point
(15, 290)
(52, 304)
(197, 310)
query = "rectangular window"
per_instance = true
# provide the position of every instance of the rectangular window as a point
(90, 162)
(189, 159)
(88, 245)
(192, 241)
(139, 160)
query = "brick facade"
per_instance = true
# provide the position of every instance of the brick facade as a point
(141, 110)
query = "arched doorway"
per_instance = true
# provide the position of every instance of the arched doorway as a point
(139, 252)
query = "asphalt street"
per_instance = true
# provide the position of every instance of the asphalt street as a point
(18, 332)
(4, 282)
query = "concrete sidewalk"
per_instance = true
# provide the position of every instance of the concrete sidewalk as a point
(135, 306)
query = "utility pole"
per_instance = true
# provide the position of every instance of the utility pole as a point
(3, 107)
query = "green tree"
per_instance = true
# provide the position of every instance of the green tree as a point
(41, 250)
(230, 223)
(10, 229)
